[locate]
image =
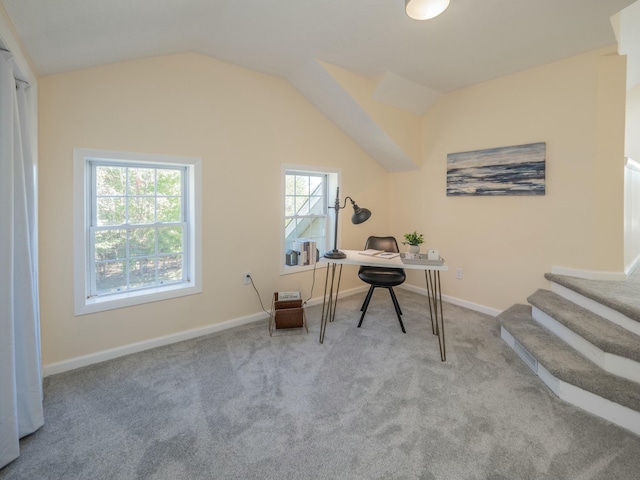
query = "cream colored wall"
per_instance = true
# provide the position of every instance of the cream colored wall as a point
(505, 244)
(243, 125)
(607, 228)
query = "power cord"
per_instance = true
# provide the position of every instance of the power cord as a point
(313, 283)
(271, 319)
(258, 294)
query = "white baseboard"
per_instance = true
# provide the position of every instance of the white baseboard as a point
(588, 274)
(83, 361)
(455, 301)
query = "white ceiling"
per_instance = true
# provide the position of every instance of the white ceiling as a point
(473, 41)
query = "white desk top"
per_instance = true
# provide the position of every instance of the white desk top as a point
(354, 258)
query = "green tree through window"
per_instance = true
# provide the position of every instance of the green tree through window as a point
(137, 226)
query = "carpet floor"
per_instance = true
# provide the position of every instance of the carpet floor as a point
(370, 403)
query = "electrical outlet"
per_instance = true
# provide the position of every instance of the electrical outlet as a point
(458, 274)
(246, 278)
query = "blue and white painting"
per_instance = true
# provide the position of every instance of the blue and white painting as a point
(516, 170)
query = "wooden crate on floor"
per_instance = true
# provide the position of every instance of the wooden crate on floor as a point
(287, 312)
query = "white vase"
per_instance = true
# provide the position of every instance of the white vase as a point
(414, 249)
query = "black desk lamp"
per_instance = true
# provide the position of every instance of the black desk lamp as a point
(360, 215)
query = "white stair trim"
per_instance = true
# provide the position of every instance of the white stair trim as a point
(597, 308)
(588, 274)
(613, 412)
(609, 362)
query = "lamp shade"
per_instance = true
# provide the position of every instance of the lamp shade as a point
(425, 9)
(360, 215)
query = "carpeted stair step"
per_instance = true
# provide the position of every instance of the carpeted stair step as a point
(618, 301)
(610, 346)
(566, 364)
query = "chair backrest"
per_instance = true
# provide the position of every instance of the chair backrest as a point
(388, 244)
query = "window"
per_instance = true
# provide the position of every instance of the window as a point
(137, 228)
(306, 195)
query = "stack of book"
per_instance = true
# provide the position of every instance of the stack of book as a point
(307, 252)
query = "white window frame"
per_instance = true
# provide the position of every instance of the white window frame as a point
(84, 303)
(333, 179)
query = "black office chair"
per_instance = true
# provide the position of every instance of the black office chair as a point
(381, 276)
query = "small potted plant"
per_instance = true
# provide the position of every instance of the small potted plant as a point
(414, 240)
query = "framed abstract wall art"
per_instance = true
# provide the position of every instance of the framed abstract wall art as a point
(515, 170)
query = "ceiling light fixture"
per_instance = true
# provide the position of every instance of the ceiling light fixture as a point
(425, 9)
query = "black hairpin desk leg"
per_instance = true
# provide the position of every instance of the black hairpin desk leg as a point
(330, 301)
(434, 296)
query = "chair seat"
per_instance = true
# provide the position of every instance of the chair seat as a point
(382, 277)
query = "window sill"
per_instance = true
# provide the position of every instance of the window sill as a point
(128, 299)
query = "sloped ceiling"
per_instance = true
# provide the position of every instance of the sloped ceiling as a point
(326, 93)
(412, 62)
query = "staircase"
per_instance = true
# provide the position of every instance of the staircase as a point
(583, 340)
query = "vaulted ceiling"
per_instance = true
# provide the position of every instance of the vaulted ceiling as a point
(412, 61)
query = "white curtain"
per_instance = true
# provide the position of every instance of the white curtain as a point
(20, 367)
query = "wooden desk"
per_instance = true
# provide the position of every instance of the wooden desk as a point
(431, 275)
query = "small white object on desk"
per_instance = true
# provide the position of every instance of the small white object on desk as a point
(432, 254)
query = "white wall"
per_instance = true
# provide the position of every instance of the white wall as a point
(631, 218)
(632, 180)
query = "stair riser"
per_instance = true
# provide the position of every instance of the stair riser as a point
(623, 367)
(601, 407)
(597, 308)
(516, 347)
(613, 412)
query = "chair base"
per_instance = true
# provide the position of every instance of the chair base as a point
(396, 305)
